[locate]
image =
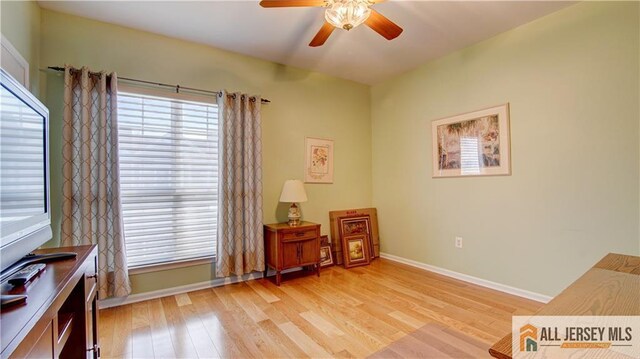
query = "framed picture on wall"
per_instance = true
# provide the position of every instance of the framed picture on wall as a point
(318, 163)
(472, 144)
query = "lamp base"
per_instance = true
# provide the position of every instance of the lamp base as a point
(294, 215)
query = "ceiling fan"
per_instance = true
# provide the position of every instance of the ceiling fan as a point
(343, 14)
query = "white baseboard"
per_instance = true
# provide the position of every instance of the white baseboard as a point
(134, 298)
(139, 297)
(471, 279)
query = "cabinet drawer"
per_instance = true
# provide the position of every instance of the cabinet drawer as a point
(299, 234)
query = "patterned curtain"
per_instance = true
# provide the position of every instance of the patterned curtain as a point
(91, 190)
(240, 233)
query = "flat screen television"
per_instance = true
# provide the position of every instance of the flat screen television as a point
(25, 215)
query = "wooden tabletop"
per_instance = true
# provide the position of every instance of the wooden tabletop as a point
(611, 287)
(285, 225)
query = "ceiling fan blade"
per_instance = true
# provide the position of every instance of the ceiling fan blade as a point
(292, 3)
(322, 35)
(383, 26)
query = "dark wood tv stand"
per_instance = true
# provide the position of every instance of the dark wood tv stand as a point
(60, 317)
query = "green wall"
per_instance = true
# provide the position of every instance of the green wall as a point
(572, 80)
(303, 104)
(20, 24)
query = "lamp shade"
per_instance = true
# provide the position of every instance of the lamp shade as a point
(293, 191)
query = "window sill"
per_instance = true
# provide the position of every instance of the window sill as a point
(171, 265)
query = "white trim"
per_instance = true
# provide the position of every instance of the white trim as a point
(134, 298)
(170, 265)
(15, 61)
(139, 297)
(218, 282)
(470, 279)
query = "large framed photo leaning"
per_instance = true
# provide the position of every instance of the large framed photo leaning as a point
(318, 166)
(472, 144)
(356, 251)
(350, 222)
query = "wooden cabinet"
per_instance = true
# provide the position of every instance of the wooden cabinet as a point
(289, 247)
(60, 317)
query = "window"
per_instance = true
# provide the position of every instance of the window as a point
(169, 177)
(469, 155)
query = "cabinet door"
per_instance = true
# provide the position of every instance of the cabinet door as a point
(91, 277)
(93, 349)
(290, 255)
(91, 308)
(309, 252)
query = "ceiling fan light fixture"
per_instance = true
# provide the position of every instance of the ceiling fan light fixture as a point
(347, 14)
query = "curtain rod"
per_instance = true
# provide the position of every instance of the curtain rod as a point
(177, 87)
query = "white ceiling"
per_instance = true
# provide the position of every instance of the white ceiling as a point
(431, 29)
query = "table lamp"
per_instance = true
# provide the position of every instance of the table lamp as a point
(293, 192)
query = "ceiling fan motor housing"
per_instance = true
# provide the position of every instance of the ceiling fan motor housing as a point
(347, 14)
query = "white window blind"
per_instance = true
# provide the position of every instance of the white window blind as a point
(169, 178)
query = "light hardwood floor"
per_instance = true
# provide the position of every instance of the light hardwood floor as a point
(382, 310)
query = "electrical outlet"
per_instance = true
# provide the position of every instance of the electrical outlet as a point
(458, 242)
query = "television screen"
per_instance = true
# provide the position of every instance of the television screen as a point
(24, 198)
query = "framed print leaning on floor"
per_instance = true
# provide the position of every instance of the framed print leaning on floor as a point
(472, 144)
(356, 251)
(354, 225)
(326, 258)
